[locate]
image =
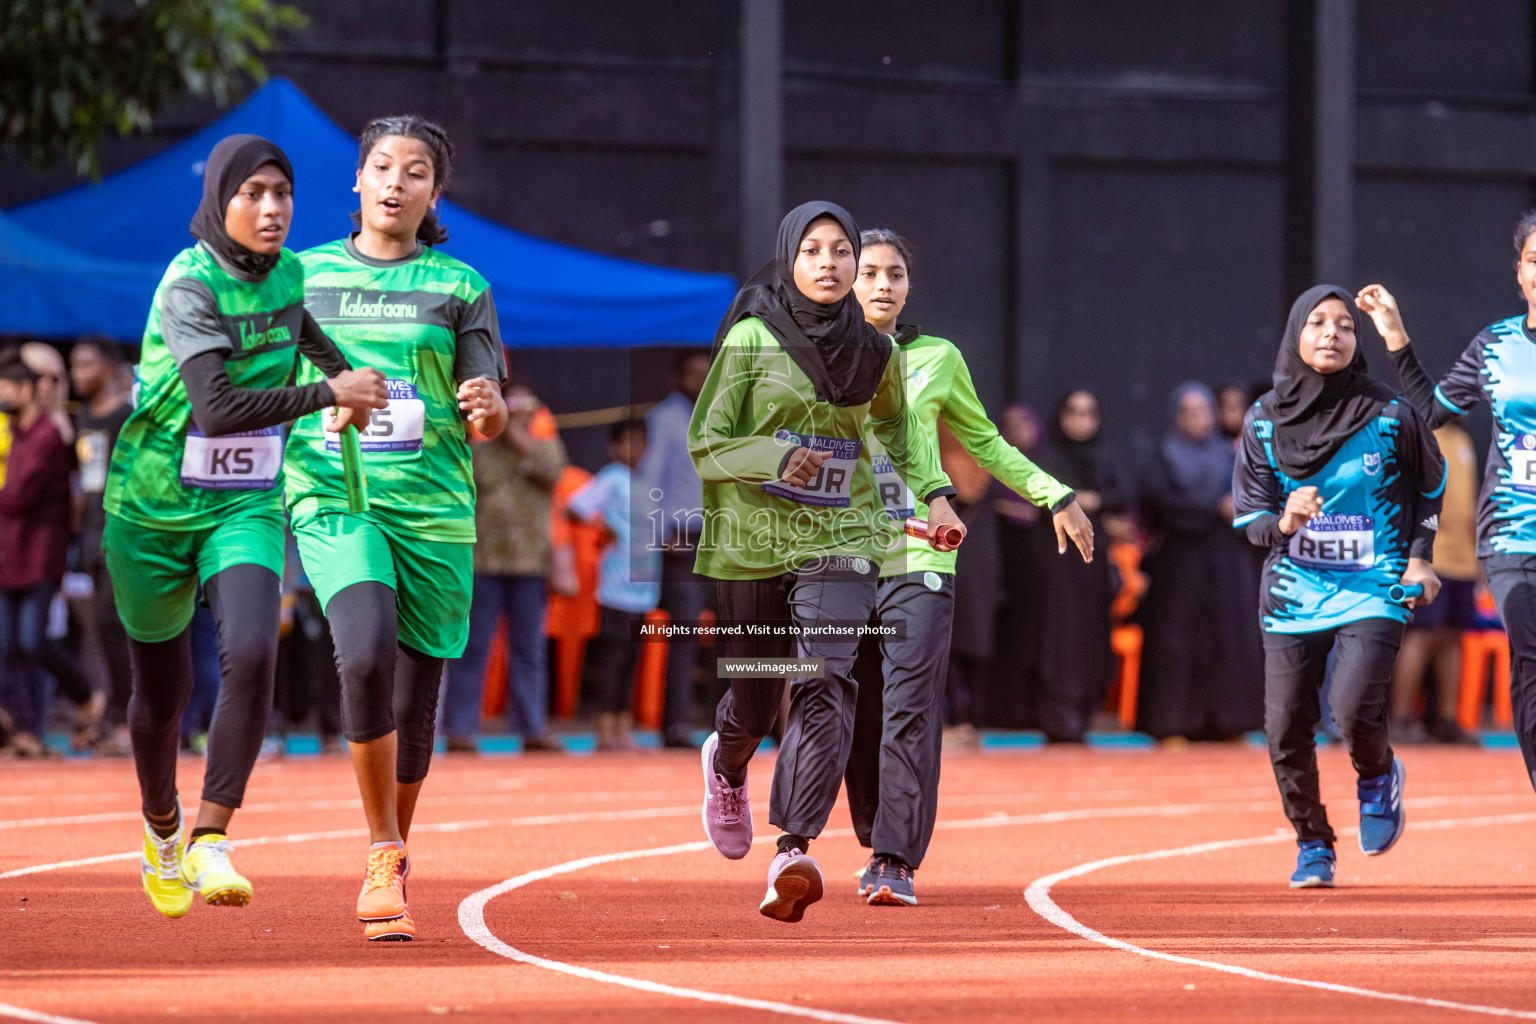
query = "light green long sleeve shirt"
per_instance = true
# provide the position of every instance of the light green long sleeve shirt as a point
(938, 383)
(756, 408)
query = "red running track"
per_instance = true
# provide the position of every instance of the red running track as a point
(556, 888)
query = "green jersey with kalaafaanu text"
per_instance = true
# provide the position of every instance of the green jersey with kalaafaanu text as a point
(427, 322)
(756, 408)
(938, 383)
(164, 472)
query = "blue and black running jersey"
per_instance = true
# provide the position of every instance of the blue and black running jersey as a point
(1499, 368)
(1381, 493)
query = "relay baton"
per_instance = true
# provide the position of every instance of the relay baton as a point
(1402, 594)
(352, 470)
(948, 535)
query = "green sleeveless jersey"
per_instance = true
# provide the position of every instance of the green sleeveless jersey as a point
(938, 383)
(164, 472)
(426, 322)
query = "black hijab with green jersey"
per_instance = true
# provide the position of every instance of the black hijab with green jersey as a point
(834, 345)
(233, 159)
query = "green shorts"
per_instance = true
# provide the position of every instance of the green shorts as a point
(155, 572)
(432, 580)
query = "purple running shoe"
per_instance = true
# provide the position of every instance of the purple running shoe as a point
(794, 883)
(727, 815)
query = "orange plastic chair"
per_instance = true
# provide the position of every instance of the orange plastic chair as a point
(493, 700)
(650, 690)
(1126, 642)
(1126, 638)
(1479, 647)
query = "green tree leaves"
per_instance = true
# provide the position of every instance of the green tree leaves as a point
(72, 70)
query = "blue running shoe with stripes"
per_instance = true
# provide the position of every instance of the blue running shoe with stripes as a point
(1314, 866)
(1381, 810)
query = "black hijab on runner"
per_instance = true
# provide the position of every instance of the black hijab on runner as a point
(833, 344)
(1315, 413)
(234, 159)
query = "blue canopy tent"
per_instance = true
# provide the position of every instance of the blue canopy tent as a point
(53, 290)
(547, 294)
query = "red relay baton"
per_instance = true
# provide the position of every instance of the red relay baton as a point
(948, 535)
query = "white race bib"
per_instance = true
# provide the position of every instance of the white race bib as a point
(396, 428)
(248, 461)
(830, 488)
(894, 493)
(1522, 463)
(1338, 542)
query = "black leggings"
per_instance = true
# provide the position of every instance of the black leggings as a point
(386, 685)
(1294, 665)
(245, 600)
(1512, 579)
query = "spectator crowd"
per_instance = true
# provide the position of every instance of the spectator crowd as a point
(567, 562)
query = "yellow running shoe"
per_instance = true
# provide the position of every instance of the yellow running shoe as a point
(401, 929)
(205, 868)
(160, 866)
(383, 895)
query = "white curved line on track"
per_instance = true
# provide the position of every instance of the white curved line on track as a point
(1039, 897)
(472, 909)
(486, 939)
(472, 921)
(353, 833)
(22, 1013)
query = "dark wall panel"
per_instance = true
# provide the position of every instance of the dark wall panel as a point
(376, 27)
(1134, 41)
(956, 216)
(641, 28)
(1444, 249)
(647, 206)
(974, 40)
(1425, 45)
(1159, 277)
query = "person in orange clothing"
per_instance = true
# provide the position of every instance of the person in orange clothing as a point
(573, 616)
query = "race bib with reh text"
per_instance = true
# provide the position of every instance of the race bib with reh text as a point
(1343, 543)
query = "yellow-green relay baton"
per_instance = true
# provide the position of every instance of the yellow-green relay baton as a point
(352, 470)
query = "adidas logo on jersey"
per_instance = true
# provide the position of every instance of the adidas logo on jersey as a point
(356, 305)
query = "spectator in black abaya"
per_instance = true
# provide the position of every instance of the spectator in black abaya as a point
(1073, 661)
(1232, 403)
(1002, 700)
(1201, 661)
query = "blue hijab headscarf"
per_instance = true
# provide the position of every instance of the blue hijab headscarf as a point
(1201, 467)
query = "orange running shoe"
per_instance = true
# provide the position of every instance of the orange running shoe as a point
(400, 929)
(383, 895)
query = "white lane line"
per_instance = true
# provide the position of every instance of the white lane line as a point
(22, 1013)
(497, 946)
(575, 818)
(338, 805)
(352, 833)
(472, 921)
(472, 908)
(1039, 897)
